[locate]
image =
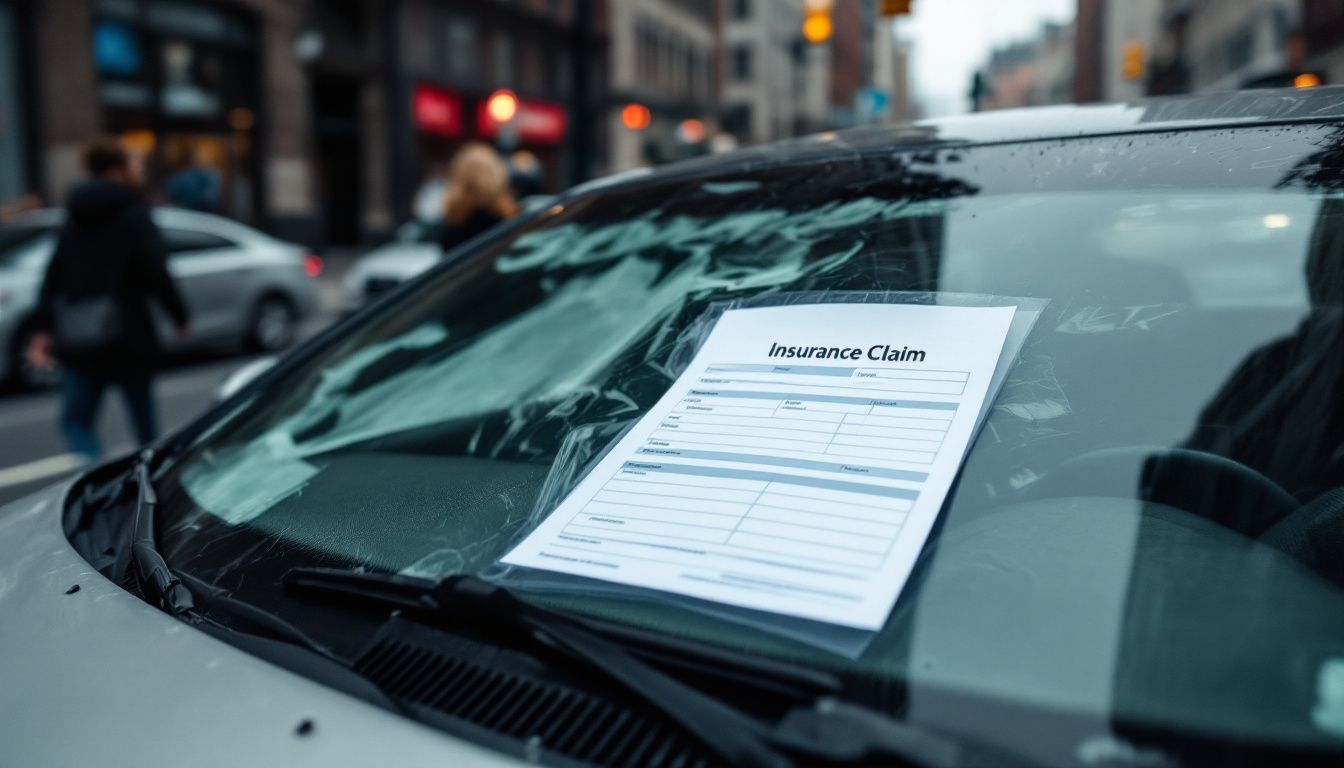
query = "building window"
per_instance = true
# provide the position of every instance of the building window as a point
(737, 121)
(532, 72)
(697, 67)
(561, 75)
(503, 71)
(462, 55)
(741, 62)
(741, 9)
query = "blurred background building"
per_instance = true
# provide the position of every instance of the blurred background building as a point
(332, 122)
(322, 120)
(1118, 50)
(775, 84)
(664, 62)
(319, 120)
(1032, 72)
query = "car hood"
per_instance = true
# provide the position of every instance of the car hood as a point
(86, 672)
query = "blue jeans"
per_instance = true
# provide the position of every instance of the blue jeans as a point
(82, 393)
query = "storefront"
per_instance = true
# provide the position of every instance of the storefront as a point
(445, 119)
(179, 82)
(15, 124)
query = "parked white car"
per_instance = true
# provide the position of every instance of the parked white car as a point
(242, 286)
(414, 248)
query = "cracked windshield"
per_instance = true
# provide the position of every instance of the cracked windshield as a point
(437, 436)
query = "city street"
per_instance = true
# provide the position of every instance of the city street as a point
(32, 452)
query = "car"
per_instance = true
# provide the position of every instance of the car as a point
(1137, 562)
(414, 249)
(243, 287)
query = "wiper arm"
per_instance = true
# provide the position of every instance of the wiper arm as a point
(832, 731)
(152, 573)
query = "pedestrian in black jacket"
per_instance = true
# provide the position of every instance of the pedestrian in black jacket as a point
(93, 313)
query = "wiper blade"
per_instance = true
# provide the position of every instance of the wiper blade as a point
(776, 678)
(155, 578)
(831, 731)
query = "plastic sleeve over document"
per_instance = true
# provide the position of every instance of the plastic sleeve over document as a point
(796, 466)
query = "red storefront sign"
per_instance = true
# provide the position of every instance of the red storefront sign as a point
(437, 111)
(537, 122)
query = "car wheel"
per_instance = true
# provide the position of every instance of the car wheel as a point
(273, 326)
(24, 374)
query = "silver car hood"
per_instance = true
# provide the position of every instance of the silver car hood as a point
(98, 677)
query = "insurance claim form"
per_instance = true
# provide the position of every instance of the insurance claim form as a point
(797, 465)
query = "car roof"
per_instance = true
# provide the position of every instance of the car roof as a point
(164, 216)
(1073, 121)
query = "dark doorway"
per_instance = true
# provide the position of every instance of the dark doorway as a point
(339, 149)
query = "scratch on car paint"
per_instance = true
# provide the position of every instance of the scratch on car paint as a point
(1033, 392)
(1099, 319)
(1022, 478)
(1278, 162)
(1037, 411)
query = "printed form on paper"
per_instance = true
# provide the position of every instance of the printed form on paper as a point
(796, 467)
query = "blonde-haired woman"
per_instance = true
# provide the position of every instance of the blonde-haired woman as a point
(478, 195)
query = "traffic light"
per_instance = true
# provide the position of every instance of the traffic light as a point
(1132, 60)
(817, 26)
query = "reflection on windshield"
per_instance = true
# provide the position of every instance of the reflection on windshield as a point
(530, 364)
(1292, 385)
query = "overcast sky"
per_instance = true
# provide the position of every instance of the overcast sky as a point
(951, 38)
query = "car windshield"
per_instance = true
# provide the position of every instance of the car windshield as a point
(1147, 529)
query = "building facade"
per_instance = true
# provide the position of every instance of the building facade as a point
(1238, 42)
(1088, 32)
(774, 83)
(1235, 44)
(868, 66)
(181, 83)
(664, 58)
(18, 171)
(319, 118)
(1322, 39)
(1032, 72)
(1133, 29)
(448, 58)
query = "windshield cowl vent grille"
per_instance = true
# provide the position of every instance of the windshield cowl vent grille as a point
(513, 696)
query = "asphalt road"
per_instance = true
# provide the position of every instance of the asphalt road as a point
(33, 453)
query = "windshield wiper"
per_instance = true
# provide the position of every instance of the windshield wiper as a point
(831, 731)
(156, 580)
